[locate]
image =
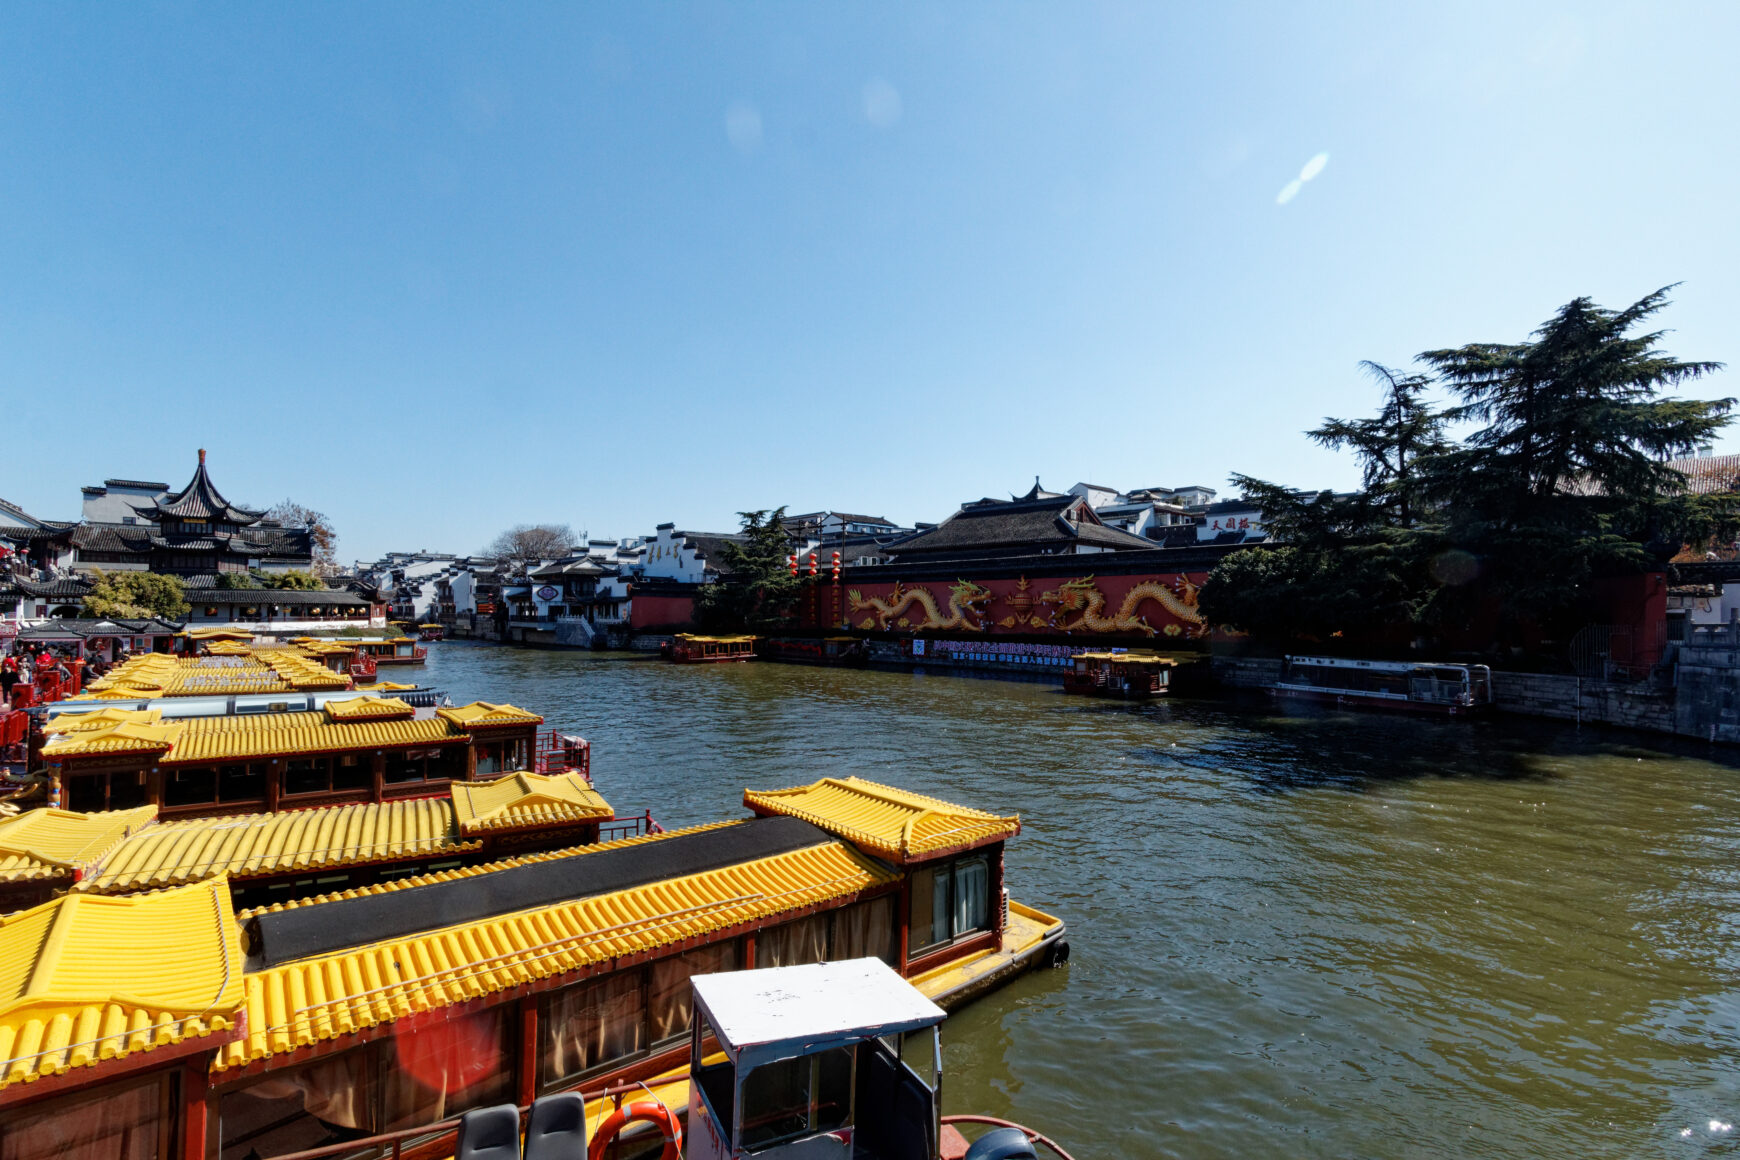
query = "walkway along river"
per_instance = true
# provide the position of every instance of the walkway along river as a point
(1320, 934)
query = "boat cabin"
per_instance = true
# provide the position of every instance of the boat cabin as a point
(1413, 686)
(429, 632)
(804, 1063)
(1119, 674)
(396, 650)
(688, 649)
(362, 1023)
(356, 749)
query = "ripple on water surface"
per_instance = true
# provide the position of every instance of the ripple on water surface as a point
(1333, 934)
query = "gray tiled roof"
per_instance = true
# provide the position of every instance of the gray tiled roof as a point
(201, 500)
(1035, 523)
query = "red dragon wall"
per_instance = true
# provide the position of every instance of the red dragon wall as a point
(1159, 605)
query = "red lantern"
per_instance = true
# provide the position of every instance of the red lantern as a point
(793, 559)
(836, 566)
(812, 563)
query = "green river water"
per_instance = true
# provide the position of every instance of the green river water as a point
(1306, 933)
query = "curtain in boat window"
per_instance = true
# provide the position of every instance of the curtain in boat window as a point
(301, 1109)
(803, 941)
(443, 1069)
(592, 1024)
(972, 896)
(866, 930)
(117, 1122)
(670, 1001)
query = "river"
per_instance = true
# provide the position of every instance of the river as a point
(1309, 933)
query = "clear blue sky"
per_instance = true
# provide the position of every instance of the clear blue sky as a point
(438, 268)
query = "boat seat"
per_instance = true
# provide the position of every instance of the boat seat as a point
(557, 1128)
(1002, 1144)
(489, 1134)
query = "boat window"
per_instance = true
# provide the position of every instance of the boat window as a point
(590, 1025)
(866, 930)
(189, 787)
(291, 1111)
(87, 793)
(670, 998)
(803, 941)
(443, 1069)
(718, 1078)
(129, 1121)
(350, 771)
(238, 783)
(798, 1097)
(307, 775)
(949, 901)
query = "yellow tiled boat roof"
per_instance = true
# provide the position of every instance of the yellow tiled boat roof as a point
(45, 843)
(486, 713)
(209, 739)
(527, 799)
(384, 687)
(397, 884)
(298, 1004)
(368, 709)
(123, 738)
(246, 671)
(1134, 658)
(102, 719)
(229, 648)
(217, 632)
(85, 979)
(892, 822)
(172, 853)
(715, 639)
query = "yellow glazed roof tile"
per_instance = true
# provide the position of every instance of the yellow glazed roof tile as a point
(245, 670)
(368, 709)
(45, 843)
(527, 799)
(123, 738)
(87, 979)
(176, 852)
(216, 632)
(486, 713)
(101, 719)
(384, 687)
(891, 822)
(203, 740)
(299, 734)
(298, 1004)
(398, 884)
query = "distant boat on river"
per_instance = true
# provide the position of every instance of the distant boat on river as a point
(1411, 686)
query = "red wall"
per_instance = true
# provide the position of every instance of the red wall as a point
(649, 612)
(1085, 605)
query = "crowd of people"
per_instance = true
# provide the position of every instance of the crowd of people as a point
(21, 666)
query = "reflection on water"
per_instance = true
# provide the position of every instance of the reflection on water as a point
(1326, 933)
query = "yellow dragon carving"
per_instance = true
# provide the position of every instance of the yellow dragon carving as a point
(966, 607)
(1084, 596)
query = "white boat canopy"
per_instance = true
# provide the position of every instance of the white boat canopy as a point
(783, 1011)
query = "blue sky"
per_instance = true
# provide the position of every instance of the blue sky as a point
(439, 268)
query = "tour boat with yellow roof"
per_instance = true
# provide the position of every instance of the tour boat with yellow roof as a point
(1134, 675)
(689, 649)
(364, 1022)
(391, 650)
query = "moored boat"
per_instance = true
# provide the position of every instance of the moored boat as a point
(690, 649)
(1408, 686)
(1134, 675)
(365, 1022)
(431, 632)
(391, 650)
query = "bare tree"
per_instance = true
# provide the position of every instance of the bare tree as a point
(533, 541)
(321, 533)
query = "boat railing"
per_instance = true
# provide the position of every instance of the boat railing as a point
(562, 753)
(994, 1122)
(618, 828)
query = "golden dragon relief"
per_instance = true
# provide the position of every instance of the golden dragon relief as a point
(966, 608)
(1084, 597)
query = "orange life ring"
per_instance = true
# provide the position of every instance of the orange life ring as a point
(650, 1110)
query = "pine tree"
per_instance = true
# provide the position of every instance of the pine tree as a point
(756, 590)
